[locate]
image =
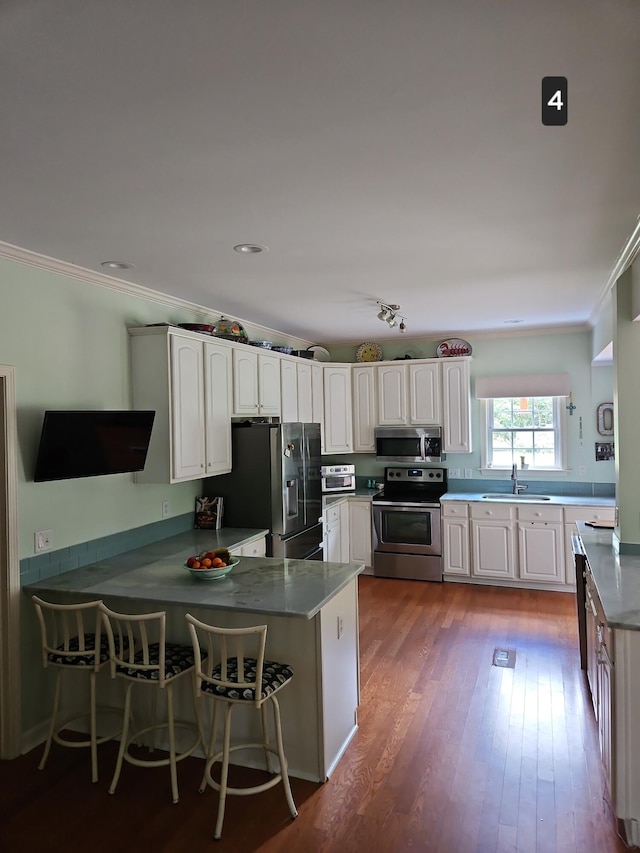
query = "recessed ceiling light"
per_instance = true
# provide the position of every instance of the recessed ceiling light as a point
(249, 248)
(116, 265)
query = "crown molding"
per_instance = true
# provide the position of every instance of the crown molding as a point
(64, 268)
(625, 259)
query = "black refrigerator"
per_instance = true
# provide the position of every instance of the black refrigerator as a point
(275, 484)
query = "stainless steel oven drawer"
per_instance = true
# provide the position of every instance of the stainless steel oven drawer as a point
(407, 567)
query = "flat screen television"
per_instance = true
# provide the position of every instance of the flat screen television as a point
(91, 443)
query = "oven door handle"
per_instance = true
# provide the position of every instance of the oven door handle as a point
(403, 506)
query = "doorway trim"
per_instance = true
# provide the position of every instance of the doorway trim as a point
(10, 705)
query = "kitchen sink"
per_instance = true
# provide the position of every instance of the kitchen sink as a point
(507, 496)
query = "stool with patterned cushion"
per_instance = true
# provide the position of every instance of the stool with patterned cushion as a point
(72, 641)
(231, 676)
(151, 661)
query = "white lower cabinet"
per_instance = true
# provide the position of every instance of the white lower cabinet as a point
(344, 532)
(541, 544)
(332, 537)
(580, 513)
(360, 532)
(254, 549)
(520, 544)
(455, 539)
(493, 538)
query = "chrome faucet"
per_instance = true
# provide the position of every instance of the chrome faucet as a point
(517, 487)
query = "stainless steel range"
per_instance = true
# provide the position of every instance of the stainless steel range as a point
(406, 524)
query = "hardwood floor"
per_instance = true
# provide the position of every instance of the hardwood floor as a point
(453, 754)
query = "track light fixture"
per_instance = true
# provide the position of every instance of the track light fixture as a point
(388, 313)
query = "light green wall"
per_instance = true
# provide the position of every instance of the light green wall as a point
(520, 354)
(626, 342)
(603, 329)
(69, 344)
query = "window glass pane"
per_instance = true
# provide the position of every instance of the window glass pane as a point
(502, 413)
(522, 427)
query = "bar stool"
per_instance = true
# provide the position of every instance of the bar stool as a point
(72, 641)
(239, 680)
(149, 660)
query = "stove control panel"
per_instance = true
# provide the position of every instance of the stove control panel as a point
(414, 475)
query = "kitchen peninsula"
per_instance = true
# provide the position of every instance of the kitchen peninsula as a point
(310, 608)
(612, 629)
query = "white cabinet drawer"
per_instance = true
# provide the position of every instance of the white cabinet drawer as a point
(496, 511)
(589, 513)
(455, 509)
(535, 512)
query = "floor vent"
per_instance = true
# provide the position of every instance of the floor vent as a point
(504, 657)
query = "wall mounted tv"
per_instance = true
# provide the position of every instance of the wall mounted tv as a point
(91, 443)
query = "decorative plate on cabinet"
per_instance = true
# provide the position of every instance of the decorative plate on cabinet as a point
(320, 353)
(453, 347)
(369, 352)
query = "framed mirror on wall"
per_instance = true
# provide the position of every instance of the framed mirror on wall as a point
(605, 419)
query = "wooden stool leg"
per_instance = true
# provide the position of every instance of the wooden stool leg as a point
(54, 717)
(283, 761)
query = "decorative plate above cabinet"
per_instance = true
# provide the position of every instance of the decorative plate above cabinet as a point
(369, 352)
(453, 347)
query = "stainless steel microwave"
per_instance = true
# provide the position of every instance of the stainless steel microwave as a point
(408, 444)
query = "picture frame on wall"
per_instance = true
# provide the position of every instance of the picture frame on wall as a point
(604, 451)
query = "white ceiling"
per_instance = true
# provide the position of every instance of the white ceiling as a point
(380, 150)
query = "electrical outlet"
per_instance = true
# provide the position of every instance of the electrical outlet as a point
(581, 470)
(43, 540)
(340, 626)
(165, 509)
(468, 473)
(454, 473)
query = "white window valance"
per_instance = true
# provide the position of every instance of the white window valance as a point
(527, 385)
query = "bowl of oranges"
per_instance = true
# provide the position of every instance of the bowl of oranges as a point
(211, 565)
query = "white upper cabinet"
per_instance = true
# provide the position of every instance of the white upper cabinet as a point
(269, 384)
(217, 395)
(317, 399)
(409, 394)
(424, 393)
(392, 394)
(187, 381)
(245, 381)
(337, 409)
(364, 409)
(456, 400)
(305, 393)
(256, 382)
(289, 391)
(187, 408)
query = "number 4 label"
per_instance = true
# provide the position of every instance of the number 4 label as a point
(554, 101)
